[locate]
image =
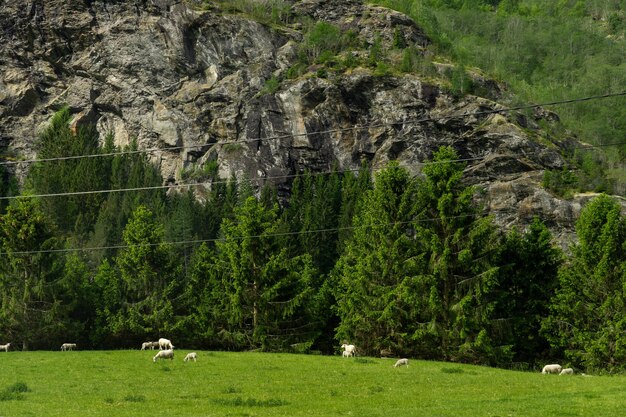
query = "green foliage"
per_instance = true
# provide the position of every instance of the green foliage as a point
(264, 291)
(587, 315)
(146, 280)
(269, 12)
(14, 391)
(8, 187)
(271, 85)
(460, 276)
(545, 51)
(561, 182)
(527, 279)
(29, 271)
(71, 213)
(378, 294)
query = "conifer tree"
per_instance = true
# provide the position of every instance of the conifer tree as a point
(459, 247)
(264, 291)
(378, 294)
(587, 321)
(30, 269)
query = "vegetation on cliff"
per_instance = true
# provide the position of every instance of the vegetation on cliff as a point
(395, 262)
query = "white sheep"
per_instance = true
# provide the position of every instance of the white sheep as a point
(164, 354)
(567, 371)
(192, 356)
(551, 369)
(400, 362)
(5, 347)
(149, 345)
(68, 346)
(165, 344)
(348, 350)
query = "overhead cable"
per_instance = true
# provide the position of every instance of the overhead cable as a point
(321, 132)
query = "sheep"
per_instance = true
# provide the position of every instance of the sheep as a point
(551, 369)
(165, 344)
(386, 353)
(349, 350)
(567, 371)
(5, 347)
(149, 345)
(68, 346)
(192, 356)
(164, 354)
(400, 362)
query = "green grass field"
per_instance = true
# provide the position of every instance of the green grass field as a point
(127, 383)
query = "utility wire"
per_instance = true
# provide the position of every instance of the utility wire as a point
(238, 238)
(322, 132)
(276, 177)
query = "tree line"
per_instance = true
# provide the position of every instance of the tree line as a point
(384, 260)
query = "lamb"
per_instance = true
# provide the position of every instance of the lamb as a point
(149, 345)
(5, 347)
(68, 346)
(164, 354)
(165, 344)
(348, 350)
(551, 369)
(567, 371)
(400, 362)
(192, 356)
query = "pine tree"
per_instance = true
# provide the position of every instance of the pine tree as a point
(146, 282)
(378, 293)
(587, 321)
(459, 247)
(527, 279)
(265, 292)
(30, 269)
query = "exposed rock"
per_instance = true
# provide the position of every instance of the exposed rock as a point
(190, 81)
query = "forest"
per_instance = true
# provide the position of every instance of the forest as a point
(382, 259)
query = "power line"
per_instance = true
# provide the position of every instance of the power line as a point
(322, 132)
(279, 234)
(277, 177)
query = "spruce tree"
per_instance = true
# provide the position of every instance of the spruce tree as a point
(378, 294)
(587, 321)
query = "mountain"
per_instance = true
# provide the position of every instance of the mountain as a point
(270, 89)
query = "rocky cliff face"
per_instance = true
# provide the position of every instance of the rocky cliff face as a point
(187, 80)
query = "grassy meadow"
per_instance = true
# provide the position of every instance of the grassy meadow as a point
(127, 383)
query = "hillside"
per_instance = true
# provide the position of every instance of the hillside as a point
(290, 176)
(269, 92)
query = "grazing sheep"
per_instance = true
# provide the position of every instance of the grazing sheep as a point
(68, 346)
(400, 362)
(567, 371)
(165, 344)
(164, 354)
(551, 369)
(5, 347)
(386, 353)
(348, 350)
(192, 356)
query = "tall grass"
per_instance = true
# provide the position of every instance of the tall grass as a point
(128, 383)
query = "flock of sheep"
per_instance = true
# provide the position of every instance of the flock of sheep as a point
(166, 351)
(555, 368)
(350, 351)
